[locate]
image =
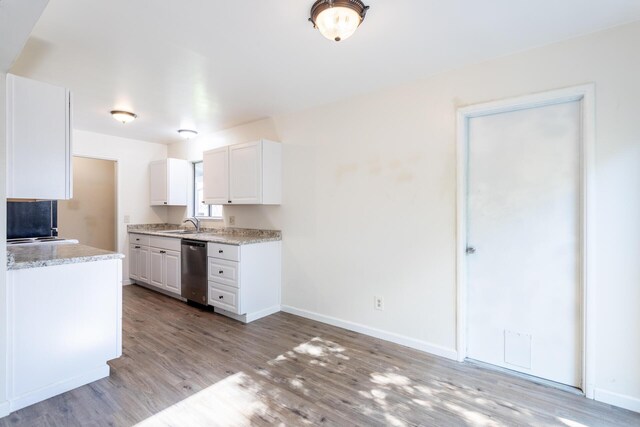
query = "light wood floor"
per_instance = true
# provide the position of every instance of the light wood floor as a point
(186, 367)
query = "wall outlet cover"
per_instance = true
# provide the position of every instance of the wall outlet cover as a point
(127, 219)
(378, 303)
(232, 220)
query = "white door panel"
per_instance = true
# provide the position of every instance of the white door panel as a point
(524, 222)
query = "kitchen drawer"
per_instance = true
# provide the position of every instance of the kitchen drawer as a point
(169, 243)
(219, 250)
(139, 239)
(223, 271)
(224, 297)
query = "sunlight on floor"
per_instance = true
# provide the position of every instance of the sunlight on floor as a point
(232, 401)
(393, 398)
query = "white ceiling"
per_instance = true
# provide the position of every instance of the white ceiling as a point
(213, 64)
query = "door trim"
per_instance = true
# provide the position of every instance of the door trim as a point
(585, 94)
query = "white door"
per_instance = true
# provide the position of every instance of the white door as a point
(155, 276)
(158, 189)
(215, 165)
(172, 271)
(143, 264)
(133, 261)
(524, 222)
(245, 173)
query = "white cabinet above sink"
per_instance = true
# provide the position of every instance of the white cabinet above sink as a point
(244, 174)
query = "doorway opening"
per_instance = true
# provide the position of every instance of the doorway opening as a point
(90, 216)
(515, 344)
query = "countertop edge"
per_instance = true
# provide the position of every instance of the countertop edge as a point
(62, 261)
(210, 238)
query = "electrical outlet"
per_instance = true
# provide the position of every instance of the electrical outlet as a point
(127, 219)
(232, 220)
(378, 303)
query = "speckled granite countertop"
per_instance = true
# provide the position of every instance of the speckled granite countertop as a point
(229, 236)
(32, 256)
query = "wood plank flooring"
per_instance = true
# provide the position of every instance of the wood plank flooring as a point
(187, 367)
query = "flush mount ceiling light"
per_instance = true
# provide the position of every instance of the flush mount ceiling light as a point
(337, 19)
(187, 133)
(123, 116)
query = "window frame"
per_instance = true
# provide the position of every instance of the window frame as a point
(194, 197)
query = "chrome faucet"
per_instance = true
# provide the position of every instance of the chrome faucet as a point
(195, 221)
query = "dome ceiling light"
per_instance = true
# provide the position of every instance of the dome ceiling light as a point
(187, 133)
(123, 116)
(337, 19)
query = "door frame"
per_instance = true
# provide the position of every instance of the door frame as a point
(585, 94)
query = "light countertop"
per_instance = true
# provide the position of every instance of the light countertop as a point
(229, 236)
(32, 256)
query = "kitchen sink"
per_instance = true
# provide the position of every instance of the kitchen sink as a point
(181, 232)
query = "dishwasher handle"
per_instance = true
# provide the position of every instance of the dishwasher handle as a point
(194, 244)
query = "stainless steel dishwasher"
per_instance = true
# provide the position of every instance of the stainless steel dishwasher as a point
(194, 271)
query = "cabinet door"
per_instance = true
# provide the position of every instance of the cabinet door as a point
(216, 176)
(143, 264)
(158, 183)
(156, 278)
(133, 261)
(177, 182)
(38, 140)
(172, 271)
(245, 173)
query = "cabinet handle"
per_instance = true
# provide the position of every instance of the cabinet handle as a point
(136, 247)
(220, 251)
(230, 201)
(165, 203)
(221, 297)
(163, 252)
(137, 240)
(220, 272)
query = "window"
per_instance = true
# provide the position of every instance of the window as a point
(199, 208)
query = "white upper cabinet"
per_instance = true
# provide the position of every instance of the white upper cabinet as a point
(169, 182)
(38, 140)
(215, 164)
(249, 174)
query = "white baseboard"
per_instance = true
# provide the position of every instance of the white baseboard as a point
(5, 409)
(377, 333)
(249, 317)
(262, 313)
(616, 399)
(127, 282)
(58, 388)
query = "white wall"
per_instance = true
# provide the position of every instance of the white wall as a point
(369, 198)
(133, 159)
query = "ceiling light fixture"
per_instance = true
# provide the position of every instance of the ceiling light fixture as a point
(123, 116)
(187, 133)
(337, 19)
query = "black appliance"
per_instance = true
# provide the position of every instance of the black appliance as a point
(32, 219)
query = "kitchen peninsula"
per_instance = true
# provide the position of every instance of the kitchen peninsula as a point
(64, 317)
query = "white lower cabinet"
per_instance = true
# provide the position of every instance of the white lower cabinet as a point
(139, 262)
(171, 271)
(157, 261)
(158, 264)
(224, 297)
(244, 281)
